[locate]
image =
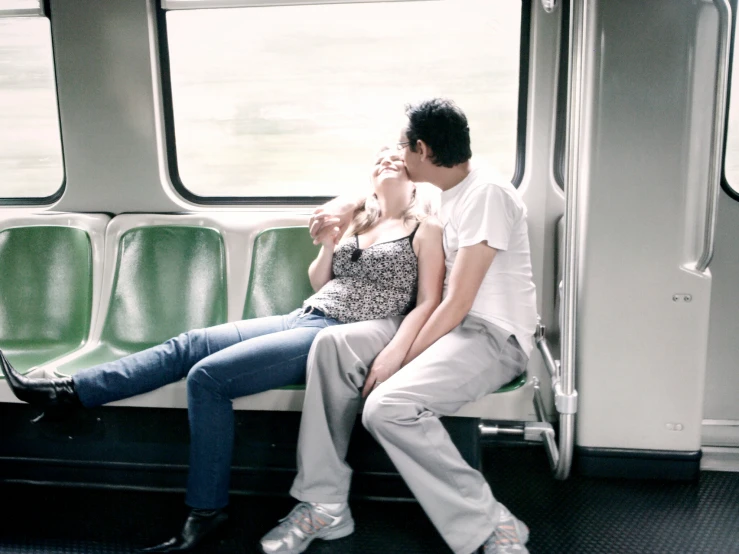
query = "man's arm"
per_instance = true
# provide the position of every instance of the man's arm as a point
(333, 218)
(468, 271)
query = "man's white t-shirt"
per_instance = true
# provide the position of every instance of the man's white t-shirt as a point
(483, 208)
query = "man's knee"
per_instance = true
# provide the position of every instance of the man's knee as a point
(372, 412)
(324, 351)
(385, 408)
(365, 337)
(326, 340)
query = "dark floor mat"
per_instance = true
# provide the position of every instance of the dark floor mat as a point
(580, 515)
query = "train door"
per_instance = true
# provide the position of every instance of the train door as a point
(721, 409)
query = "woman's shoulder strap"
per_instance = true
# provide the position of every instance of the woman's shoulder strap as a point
(413, 234)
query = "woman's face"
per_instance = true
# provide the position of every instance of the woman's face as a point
(389, 169)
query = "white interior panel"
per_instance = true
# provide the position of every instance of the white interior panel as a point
(640, 354)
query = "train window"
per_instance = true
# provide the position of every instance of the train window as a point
(731, 156)
(31, 166)
(286, 101)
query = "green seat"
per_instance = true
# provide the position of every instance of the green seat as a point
(278, 280)
(168, 279)
(45, 293)
(517, 383)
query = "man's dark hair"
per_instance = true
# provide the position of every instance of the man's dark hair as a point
(442, 125)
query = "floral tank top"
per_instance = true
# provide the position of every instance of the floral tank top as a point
(370, 283)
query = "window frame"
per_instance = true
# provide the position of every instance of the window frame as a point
(560, 125)
(171, 140)
(54, 197)
(730, 190)
(41, 9)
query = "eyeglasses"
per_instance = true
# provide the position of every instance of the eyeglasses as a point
(402, 145)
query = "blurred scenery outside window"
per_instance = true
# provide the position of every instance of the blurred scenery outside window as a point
(295, 100)
(731, 162)
(30, 144)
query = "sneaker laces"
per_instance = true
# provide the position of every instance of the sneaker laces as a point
(305, 518)
(505, 534)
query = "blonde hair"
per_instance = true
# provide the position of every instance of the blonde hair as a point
(424, 203)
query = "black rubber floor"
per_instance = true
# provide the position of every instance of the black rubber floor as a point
(576, 516)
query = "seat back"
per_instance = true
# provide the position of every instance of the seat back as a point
(168, 279)
(45, 291)
(278, 280)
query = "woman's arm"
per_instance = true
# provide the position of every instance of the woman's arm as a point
(327, 225)
(430, 284)
(320, 270)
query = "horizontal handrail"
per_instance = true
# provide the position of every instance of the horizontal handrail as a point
(550, 363)
(489, 429)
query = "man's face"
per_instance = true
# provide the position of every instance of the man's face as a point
(412, 159)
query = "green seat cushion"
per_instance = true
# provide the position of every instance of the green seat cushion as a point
(168, 279)
(278, 280)
(293, 387)
(517, 383)
(25, 356)
(45, 293)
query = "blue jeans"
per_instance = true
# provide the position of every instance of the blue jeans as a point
(221, 363)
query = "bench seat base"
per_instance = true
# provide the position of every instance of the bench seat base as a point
(147, 448)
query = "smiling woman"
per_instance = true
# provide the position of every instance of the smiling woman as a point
(285, 100)
(30, 144)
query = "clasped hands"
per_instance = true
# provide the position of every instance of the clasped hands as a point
(329, 222)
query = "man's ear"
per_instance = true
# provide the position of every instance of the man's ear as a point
(424, 150)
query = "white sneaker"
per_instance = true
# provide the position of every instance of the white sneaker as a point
(302, 525)
(509, 537)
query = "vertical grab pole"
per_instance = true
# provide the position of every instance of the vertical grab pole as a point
(717, 136)
(573, 174)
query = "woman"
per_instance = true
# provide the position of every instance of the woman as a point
(400, 264)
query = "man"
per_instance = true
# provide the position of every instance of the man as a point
(478, 339)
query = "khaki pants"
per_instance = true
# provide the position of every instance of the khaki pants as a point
(474, 359)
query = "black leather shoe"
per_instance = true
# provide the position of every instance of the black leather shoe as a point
(53, 395)
(197, 527)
